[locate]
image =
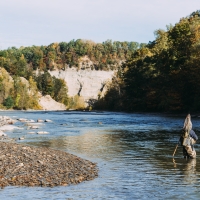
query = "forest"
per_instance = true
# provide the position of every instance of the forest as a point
(33, 64)
(163, 75)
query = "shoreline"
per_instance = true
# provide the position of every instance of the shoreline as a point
(24, 165)
(181, 113)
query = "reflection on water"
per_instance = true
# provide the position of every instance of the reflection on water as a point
(133, 153)
(190, 172)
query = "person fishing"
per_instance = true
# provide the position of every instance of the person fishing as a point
(188, 139)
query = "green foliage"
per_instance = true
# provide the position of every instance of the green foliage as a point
(163, 75)
(33, 94)
(45, 83)
(21, 96)
(60, 91)
(6, 85)
(21, 62)
(8, 102)
(24, 61)
(113, 99)
(25, 94)
(52, 86)
(76, 103)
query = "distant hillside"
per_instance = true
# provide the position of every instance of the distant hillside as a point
(105, 56)
(46, 68)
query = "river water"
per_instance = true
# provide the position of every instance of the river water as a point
(133, 153)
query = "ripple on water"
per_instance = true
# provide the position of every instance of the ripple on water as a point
(133, 153)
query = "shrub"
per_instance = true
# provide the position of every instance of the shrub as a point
(8, 102)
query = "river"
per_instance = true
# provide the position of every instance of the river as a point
(133, 152)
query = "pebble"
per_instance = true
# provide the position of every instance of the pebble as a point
(22, 165)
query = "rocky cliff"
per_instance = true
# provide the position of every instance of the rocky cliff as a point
(47, 103)
(87, 83)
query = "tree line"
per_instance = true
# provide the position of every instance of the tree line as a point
(105, 56)
(33, 63)
(163, 75)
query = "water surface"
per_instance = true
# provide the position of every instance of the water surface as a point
(133, 153)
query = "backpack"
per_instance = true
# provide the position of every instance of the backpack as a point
(185, 139)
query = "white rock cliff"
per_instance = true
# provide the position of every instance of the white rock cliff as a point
(47, 103)
(86, 83)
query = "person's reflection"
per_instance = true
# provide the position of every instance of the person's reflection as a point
(188, 170)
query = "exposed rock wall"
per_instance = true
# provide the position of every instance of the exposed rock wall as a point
(86, 83)
(47, 103)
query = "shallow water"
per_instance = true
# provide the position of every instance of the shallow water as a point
(133, 153)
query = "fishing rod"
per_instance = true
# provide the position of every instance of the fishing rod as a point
(177, 145)
(175, 150)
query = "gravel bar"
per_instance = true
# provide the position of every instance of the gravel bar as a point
(22, 165)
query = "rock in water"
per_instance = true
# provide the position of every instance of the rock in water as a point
(42, 132)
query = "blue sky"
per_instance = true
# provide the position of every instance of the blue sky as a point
(41, 22)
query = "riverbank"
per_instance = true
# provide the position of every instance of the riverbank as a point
(30, 166)
(22, 165)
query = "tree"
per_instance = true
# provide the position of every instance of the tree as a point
(8, 102)
(60, 91)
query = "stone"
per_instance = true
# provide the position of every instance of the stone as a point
(2, 133)
(42, 167)
(42, 132)
(48, 120)
(34, 127)
(20, 165)
(40, 120)
(30, 121)
(22, 119)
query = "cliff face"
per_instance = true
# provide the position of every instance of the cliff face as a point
(86, 83)
(47, 103)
